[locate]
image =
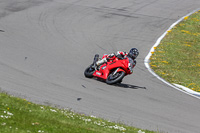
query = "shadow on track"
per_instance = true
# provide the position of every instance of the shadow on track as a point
(122, 85)
(129, 86)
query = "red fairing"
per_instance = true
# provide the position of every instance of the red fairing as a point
(113, 64)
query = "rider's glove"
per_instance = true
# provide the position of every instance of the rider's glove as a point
(119, 56)
(111, 55)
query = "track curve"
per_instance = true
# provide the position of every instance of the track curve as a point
(46, 45)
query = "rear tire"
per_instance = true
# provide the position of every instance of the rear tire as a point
(120, 82)
(117, 78)
(89, 72)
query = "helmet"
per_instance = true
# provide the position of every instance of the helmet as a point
(133, 53)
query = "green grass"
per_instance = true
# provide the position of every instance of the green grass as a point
(177, 58)
(21, 116)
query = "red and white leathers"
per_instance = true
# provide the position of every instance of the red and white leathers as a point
(119, 54)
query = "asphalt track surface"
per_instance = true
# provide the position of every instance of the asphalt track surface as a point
(46, 45)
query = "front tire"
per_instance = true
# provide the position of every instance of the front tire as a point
(117, 78)
(89, 72)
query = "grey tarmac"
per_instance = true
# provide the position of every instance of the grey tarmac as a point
(45, 46)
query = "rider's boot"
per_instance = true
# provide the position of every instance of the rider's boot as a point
(96, 58)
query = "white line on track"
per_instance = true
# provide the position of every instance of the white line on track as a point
(146, 60)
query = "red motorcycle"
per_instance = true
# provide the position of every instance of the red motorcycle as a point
(113, 71)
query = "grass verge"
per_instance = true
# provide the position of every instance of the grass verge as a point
(177, 58)
(21, 116)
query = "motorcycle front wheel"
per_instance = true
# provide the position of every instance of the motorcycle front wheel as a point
(114, 78)
(89, 72)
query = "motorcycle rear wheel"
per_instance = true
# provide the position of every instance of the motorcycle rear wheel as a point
(117, 78)
(89, 72)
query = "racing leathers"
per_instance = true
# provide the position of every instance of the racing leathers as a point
(120, 55)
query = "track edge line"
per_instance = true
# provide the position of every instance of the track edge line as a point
(146, 61)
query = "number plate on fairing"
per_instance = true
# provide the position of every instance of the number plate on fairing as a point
(98, 73)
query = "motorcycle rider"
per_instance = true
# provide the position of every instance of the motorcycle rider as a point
(132, 55)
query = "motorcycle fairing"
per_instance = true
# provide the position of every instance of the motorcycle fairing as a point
(108, 67)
